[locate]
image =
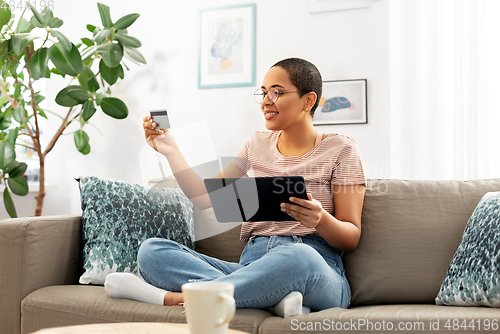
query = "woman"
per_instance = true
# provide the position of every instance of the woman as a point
(285, 264)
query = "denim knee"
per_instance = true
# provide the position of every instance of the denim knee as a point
(147, 256)
(300, 257)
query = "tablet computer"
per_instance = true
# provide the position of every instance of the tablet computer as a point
(249, 199)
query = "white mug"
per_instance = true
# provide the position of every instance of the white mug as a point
(209, 306)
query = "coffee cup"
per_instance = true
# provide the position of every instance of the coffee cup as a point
(209, 306)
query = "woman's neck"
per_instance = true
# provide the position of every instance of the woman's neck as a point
(297, 141)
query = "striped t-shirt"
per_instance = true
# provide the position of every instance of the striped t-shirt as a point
(335, 160)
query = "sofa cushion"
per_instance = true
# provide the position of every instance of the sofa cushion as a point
(117, 216)
(473, 277)
(86, 304)
(226, 246)
(410, 232)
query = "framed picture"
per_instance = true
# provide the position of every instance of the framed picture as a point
(343, 102)
(226, 55)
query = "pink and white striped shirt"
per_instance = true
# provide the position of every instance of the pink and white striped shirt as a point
(334, 160)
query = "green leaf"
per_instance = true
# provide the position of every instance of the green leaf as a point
(114, 107)
(111, 53)
(89, 52)
(18, 185)
(9, 203)
(125, 21)
(19, 42)
(47, 15)
(105, 15)
(42, 113)
(87, 41)
(126, 40)
(34, 21)
(79, 94)
(88, 80)
(7, 154)
(55, 22)
(5, 13)
(88, 110)
(12, 136)
(102, 35)
(121, 74)
(37, 14)
(8, 112)
(69, 62)
(86, 150)
(64, 99)
(63, 40)
(10, 166)
(5, 123)
(4, 49)
(82, 141)
(39, 98)
(38, 63)
(109, 74)
(90, 27)
(23, 26)
(18, 169)
(20, 115)
(56, 71)
(17, 90)
(135, 55)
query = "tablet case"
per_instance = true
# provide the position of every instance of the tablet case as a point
(250, 199)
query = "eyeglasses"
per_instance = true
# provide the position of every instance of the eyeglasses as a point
(273, 94)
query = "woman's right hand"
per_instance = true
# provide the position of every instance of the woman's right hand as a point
(161, 140)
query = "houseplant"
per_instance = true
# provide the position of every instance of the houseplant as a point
(33, 49)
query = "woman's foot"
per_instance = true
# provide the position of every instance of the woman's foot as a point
(129, 286)
(290, 306)
(173, 298)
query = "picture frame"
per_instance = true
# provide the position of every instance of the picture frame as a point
(226, 53)
(342, 102)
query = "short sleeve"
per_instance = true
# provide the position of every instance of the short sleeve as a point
(242, 159)
(349, 168)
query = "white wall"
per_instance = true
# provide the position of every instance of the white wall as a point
(343, 45)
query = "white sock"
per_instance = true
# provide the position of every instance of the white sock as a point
(129, 286)
(290, 306)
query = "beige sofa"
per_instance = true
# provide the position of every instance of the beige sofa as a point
(411, 230)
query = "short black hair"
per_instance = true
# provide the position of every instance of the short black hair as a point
(303, 75)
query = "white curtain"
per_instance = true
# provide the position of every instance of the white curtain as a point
(445, 88)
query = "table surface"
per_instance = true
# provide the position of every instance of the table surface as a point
(124, 328)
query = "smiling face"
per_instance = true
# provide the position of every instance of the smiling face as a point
(290, 109)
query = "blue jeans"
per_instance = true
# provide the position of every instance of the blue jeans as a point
(269, 269)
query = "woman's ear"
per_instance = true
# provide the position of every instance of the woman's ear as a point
(311, 100)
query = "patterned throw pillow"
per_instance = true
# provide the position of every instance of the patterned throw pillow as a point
(473, 278)
(117, 216)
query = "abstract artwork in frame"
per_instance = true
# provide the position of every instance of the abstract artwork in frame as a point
(226, 54)
(342, 102)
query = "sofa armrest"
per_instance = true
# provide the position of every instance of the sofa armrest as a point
(35, 252)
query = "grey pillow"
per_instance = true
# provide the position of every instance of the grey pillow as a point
(117, 216)
(473, 278)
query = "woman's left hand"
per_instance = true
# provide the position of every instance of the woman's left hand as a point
(307, 212)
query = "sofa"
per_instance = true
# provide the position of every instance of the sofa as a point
(410, 233)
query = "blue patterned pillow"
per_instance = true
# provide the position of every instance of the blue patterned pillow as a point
(473, 278)
(117, 216)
